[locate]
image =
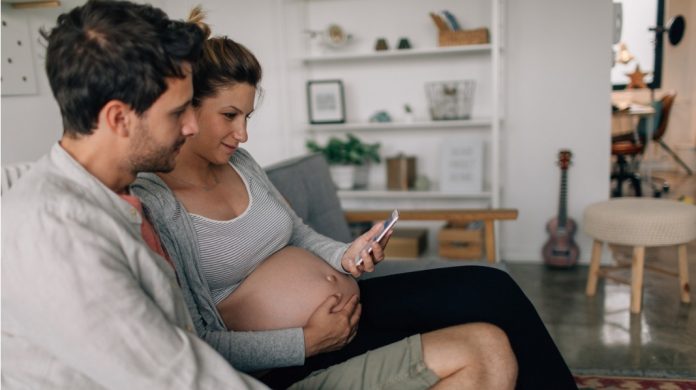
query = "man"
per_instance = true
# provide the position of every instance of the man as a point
(86, 302)
(89, 298)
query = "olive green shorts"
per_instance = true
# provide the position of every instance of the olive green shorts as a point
(396, 366)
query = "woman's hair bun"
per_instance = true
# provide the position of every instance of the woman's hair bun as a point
(196, 17)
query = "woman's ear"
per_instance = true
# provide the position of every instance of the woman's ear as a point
(117, 117)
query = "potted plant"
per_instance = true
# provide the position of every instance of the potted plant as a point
(348, 160)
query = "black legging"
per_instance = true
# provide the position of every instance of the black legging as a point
(397, 306)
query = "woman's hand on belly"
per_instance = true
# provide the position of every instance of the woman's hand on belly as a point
(285, 291)
(331, 326)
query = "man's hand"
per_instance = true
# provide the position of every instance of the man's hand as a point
(330, 328)
(359, 246)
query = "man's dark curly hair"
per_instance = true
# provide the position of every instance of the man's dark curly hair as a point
(106, 50)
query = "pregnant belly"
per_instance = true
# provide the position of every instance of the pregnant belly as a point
(284, 291)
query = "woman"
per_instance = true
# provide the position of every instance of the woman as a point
(263, 290)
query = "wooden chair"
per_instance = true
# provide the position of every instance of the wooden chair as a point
(629, 148)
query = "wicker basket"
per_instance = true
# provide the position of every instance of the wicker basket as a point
(450, 100)
(463, 37)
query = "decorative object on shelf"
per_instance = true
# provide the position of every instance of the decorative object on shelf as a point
(348, 160)
(452, 21)
(461, 241)
(422, 183)
(637, 79)
(343, 176)
(450, 100)
(617, 22)
(623, 56)
(361, 176)
(461, 166)
(408, 114)
(404, 43)
(380, 117)
(381, 44)
(407, 243)
(401, 172)
(560, 250)
(325, 101)
(440, 23)
(334, 36)
(477, 36)
(451, 34)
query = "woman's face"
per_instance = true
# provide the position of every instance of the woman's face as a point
(222, 122)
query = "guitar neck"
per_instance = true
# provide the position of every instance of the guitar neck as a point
(563, 199)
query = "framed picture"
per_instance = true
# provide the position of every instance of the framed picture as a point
(325, 101)
(461, 166)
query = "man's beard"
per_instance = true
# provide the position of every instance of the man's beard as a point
(149, 156)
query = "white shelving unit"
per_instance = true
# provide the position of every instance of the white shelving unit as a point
(389, 126)
(398, 54)
(373, 79)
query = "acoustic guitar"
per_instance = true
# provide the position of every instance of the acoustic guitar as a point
(561, 251)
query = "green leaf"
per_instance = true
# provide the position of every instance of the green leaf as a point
(350, 151)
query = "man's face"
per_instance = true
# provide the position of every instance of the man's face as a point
(159, 133)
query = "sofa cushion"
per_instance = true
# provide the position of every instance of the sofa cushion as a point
(306, 184)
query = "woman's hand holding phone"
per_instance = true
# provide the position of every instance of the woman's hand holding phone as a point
(368, 249)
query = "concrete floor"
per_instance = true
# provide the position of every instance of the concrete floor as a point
(600, 333)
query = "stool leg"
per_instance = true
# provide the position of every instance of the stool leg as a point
(637, 278)
(683, 274)
(594, 268)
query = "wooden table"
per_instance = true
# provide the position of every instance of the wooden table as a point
(626, 121)
(488, 216)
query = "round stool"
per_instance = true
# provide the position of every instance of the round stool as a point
(640, 223)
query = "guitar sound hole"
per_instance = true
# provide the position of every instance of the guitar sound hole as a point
(557, 252)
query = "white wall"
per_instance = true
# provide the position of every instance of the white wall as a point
(558, 62)
(31, 123)
(682, 125)
(255, 25)
(558, 59)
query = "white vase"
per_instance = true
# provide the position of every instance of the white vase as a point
(343, 176)
(362, 174)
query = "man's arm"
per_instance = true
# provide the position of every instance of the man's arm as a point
(106, 309)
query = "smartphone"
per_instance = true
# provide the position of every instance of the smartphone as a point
(388, 225)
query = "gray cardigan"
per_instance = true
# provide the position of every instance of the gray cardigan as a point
(246, 351)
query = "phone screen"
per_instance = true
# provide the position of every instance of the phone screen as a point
(388, 225)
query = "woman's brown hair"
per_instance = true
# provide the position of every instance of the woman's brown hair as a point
(222, 63)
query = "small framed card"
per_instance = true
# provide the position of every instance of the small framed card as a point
(325, 101)
(461, 166)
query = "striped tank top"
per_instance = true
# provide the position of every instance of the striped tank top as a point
(231, 250)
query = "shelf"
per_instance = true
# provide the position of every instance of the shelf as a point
(387, 194)
(375, 77)
(413, 53)
(371, 126)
